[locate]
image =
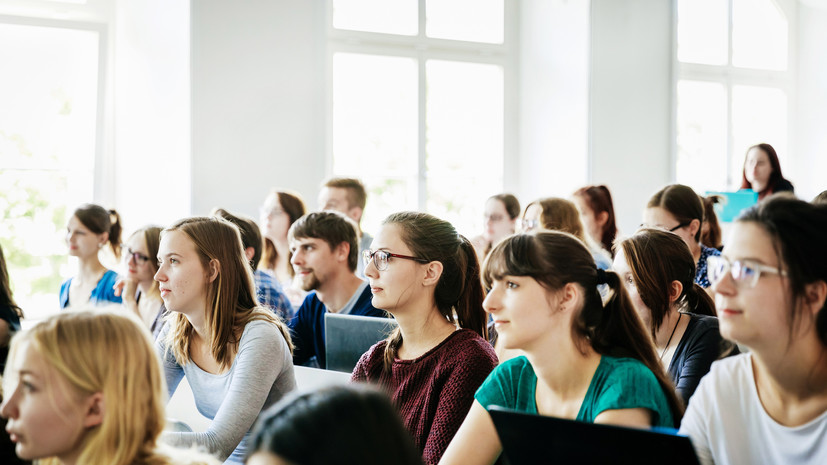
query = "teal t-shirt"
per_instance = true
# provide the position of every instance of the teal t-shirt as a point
(618, 383)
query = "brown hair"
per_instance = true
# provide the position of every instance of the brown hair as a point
(599, 200)
(656, 258)
(458, 294)
(332, 227)
(6, 297)
(820, 198)
(100, 220)
(152, 239)
(682, 202)
(775, 175)
(554, 259)
(510, 202)
(250, 233)
(712, 236)
(293, 205)
(356, 194)
(559, 215)
(231, 297)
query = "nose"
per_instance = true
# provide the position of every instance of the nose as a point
(160, 276)
(491, 304)
(297, 257)
(8, 409)
(725, 286)
(370, 270)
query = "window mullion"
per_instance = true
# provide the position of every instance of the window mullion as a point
(422, 166)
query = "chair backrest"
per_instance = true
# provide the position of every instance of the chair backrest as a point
(347, 337)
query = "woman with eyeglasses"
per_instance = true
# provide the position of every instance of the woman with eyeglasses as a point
(658, 272)
(678, 209)
(138, 288)
(280, 210)
(90, 228)
(556, 214)
(500, 220)
(770, 404)
(427, 276)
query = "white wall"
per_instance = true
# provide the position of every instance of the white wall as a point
(631, 88)
(258, 115)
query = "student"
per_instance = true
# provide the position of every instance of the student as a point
(678, 209)
(10, 313)
(658, 272)
(89, 229)
(138, 288)
(770, 404)
(325, 251)
(337, 425)
(762, 172)
(348, 196)
(268, 290)
(86, 388)
(234, 353)
(711, 229)
(556, 214)
(280, 210)
(501, 214)
(821, 198)
(597, 214)
(427, 276)
(582, 360)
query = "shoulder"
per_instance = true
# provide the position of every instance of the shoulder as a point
(466, 344)
(259, 331)
(783, 185)
(371, 359)
(733, 372)
(709, 251)
(625, 368)
(64, 287)
(310, 304)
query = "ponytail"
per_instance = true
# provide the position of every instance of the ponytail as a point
(115, 231)
(699, 302)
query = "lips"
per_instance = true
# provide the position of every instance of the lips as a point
(164, 292)
(374, 290)
(730, 312)
(498, 323)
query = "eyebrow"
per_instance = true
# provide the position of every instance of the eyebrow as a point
(170, 254)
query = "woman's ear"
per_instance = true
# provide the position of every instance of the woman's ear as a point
(694, 226)
(815, 294)
(569, 295)
(601, 219)
(675, 290)
(95, 410)
(213, 270)
(433, 271)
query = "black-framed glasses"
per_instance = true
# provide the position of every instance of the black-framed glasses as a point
(139, 258)
(381, 258)
(682, 225)
(529, 225)
(744, 272)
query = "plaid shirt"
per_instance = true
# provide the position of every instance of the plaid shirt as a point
(269, 293)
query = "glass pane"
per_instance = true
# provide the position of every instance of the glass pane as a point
(469, 20)
(759, 35)
(465, 139)
(759, 114)
(387, 195)
(390, 17)
(702, 31)
(701, 135)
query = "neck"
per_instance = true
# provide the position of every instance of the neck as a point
(198, 321)
(792, 382)
(567, 374)
(695, 248)
(422, 331)
(668, 329)
(146, 286)
(335, 293)
(90, 268)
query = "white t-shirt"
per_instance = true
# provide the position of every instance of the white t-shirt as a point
(728, 425)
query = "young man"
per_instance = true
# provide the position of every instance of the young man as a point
(348, 196)
(325, 253)
(268, 289)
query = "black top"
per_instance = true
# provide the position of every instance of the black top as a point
(700, 345)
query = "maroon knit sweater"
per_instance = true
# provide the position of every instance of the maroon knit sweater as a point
(433, 392)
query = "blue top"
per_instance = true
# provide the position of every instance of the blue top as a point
(269, 293)
(102, 294)
(307, 327)
(618, 383)
(701, 277)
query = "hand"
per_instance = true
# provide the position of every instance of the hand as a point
(127, 288)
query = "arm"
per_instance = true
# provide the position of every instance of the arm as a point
(630, 417)
(476, 442)
(301, 331)
(263, 348)
(694, 426)
(172, 370)
(705, 349)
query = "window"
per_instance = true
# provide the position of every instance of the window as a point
(49, 105)
(418, 98)
(733, 87)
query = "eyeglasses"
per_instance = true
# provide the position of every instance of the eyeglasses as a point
(139, 258)
(682, 225)
(528, 225)
(380, 258)
(744, 272)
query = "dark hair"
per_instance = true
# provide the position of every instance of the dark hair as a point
(599, 200)
(335, 425)
(356, 194)
(100, 220)
(796, 229)
(331, 227)
(152, 238)
(775, 175)
(712, 236)
(510, 202)
(6, 297)
(554, 259)
(250, 233)
(820, 198)
(559, 215)
(656, 258)
(293, 205)
(682, 202)
(458, 294)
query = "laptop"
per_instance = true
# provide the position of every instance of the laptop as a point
(530, 439)
(347, 337)
(733, 203)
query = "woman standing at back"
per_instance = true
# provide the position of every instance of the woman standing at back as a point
(427, 276)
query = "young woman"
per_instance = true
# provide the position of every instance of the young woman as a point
(501, 214)
(658, 272)
(597, 214)
(139, 289)
(280, 210)
(770, 404)
(582, 360)
(86, 388)
(337, 425)
(762, 172)
(711, 229)
(10, 313)
(88, 231)
(678, 209)
(556, 214)
(234, 353)
(427, 276)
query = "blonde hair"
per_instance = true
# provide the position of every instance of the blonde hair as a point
(100, 351)
(231, 296)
